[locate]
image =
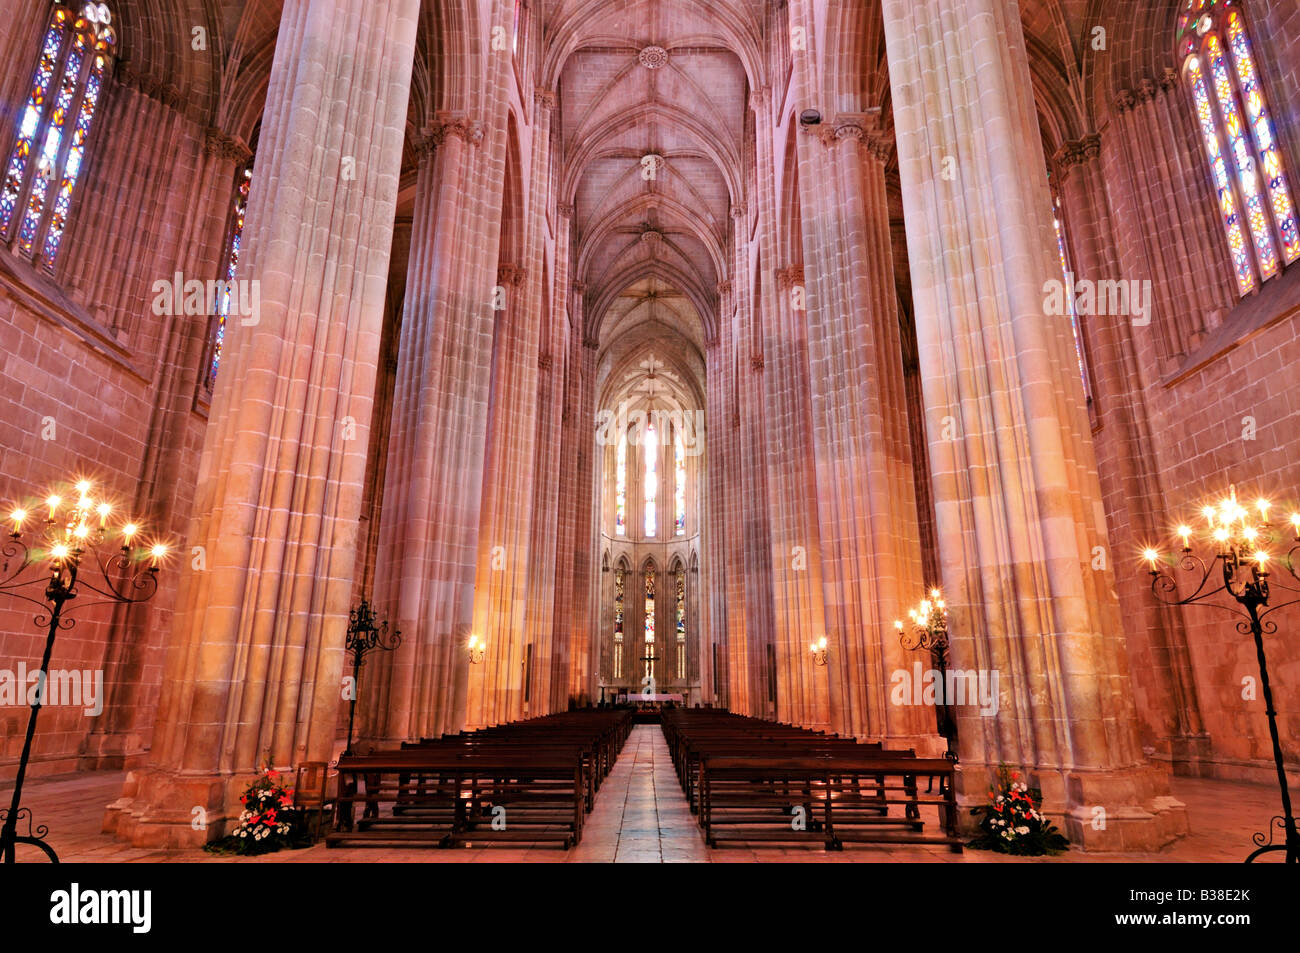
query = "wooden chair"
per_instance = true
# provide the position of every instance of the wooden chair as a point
(312, 796)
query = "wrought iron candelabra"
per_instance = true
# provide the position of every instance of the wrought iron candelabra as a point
(1245, 548)
(71, 541)
(364, 634)
(929, 633)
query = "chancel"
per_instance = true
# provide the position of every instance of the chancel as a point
(642, 363)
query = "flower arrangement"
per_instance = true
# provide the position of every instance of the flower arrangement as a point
(1013, 822)
(268, 822)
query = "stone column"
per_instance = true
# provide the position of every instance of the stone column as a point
(1131, 479)
(163, 493)
(426, 562)
(539, 614)
(255, 658)
(865, 491)
(1018, 503)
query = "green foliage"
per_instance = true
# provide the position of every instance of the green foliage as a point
(1013, 822)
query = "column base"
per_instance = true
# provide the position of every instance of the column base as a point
(1129, 809)
(111, 751)
(162, 809)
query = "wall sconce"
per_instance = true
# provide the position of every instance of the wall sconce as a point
(477, 649)
(818, 650)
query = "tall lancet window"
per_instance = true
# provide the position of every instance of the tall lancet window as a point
(618, 623)
(1251, 186)
(238, 212)
(41, 175)
(649, 623)
(681, 624)
(620, 487)
(679, 479)
(650, 449)
(1069, 298)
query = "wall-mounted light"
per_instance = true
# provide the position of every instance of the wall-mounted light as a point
(477, 649)
(818, 650)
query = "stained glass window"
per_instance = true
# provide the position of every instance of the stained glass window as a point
(237, 215)
(679, 496)
(620, 488)
(1069, 298)
(45, 164)
(649, 623)
(650, 448)
(618, 623)
(681, 624)
(1251, 187)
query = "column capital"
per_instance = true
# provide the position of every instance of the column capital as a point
(1124, 100)
(544, 360)
(579, 287)
(1078, 152)
(787, 278)
(738, 211)
(724, 288)
(461, 126)
(591, 343)
(218, 143)
(508, 274)
(545, 98)
(756, 362)
(565, 210)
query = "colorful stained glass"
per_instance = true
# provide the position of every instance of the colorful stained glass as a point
(47, 162)
(650, 447)
(1069, 297)
(1261, 126)
(681, 624)
(238, 214)
(72, 164)
(679, 476)
(43, 169)
(33, 113)
(620, 488)
(618, 623)
(649, 623)
(1223, 186)
(1247, 179)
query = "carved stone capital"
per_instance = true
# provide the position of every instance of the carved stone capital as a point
(590, 343)
(462, 127)
(1125, 100)
(756, 362)
(724, 288)
(1078, 152)
(565, 210)
(579, 287)
(1169, 79)
(787, 278)
(739, 212)
(220, 144)
(544, 360)
(545, 98)
(512, 275)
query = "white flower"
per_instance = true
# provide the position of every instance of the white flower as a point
(999, 800)
(1022, 830)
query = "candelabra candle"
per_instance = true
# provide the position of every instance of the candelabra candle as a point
(65, 560)
(929, 633)
(364, 633)
(1242, 547)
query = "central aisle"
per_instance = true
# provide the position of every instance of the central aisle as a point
(640, 814)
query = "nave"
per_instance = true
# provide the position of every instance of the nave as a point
(640, 816)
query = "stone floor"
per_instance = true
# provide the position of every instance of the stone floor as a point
(641, 816)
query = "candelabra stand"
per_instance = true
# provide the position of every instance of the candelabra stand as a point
(929, 633)
(364, 634)
(57, 567)
(1240, 568)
